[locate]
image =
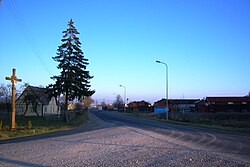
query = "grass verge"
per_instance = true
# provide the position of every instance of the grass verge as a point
(213, 126)
(40, 126)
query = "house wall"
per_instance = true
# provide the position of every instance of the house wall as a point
(21, 107)
(240, 106)
(159, 109)
(228, 108)
(133, 107)
(201, 107)
(184, 107)
(139, 106)
(51, 108)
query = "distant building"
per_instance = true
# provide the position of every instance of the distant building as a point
(224, 104)
(183, 104)
(139, 106)
(160, 103)
(160, 106)
(35, 100)
(177, 104)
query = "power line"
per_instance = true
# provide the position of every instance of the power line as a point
(16, 14)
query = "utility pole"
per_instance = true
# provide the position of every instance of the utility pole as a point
(13, 80)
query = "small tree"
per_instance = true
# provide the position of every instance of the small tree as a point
(73, 80)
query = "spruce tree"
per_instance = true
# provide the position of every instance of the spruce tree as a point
(73, 81)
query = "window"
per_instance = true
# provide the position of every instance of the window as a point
(230, 102)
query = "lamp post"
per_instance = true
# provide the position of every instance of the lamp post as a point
(166, 86)
(124, 97)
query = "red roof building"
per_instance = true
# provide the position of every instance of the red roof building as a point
(139, 106)
(177, 104)
(224, 104)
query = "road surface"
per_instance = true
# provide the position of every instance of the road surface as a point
(111, 139)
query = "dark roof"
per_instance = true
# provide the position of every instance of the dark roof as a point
(164, 100)
(139, 102)
(178, 101)
(40, 93)
(183, 101)
(228, 99)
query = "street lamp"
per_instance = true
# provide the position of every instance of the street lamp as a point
(166, 86)
(124, 97)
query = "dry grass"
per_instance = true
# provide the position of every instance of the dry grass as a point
(39, 126)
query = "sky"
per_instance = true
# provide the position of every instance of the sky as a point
(206, 45)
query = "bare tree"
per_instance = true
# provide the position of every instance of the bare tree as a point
(33, 100)
(24, 86)
(104, 105)
(118, 103)
(87, 102)
(5, 96)
(21, 89)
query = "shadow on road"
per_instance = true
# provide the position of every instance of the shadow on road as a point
(19, 163)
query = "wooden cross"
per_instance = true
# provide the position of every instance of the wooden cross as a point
(13, 80)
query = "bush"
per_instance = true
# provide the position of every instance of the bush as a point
(29, 124)
(1, 124)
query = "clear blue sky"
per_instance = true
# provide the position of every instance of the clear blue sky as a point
(206, 44)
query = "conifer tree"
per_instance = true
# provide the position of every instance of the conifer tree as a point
(73, 81)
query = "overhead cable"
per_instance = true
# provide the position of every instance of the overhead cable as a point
(16, 13)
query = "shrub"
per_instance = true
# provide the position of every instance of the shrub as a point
(29, 124)
(1, 124)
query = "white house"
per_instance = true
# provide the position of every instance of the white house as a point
(35, 101)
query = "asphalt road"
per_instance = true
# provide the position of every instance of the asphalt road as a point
(110, 139)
